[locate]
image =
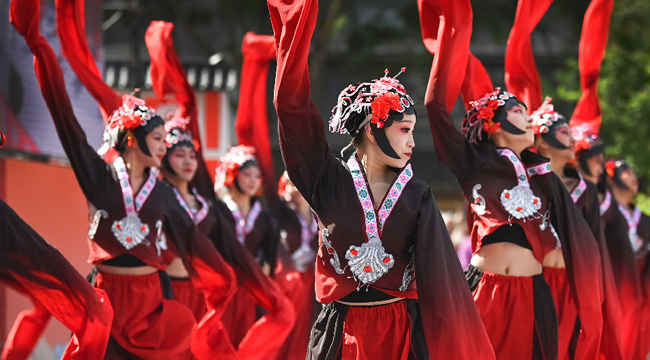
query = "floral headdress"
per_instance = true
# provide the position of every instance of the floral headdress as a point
(545, 117)
(377, 97)
(229, 165)
(132, 114)
(481, 115)
(177, 132)
(585, 139)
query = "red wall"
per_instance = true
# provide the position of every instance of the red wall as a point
(49, 199)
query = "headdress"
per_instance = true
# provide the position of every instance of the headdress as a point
(546, 117)
(614, 168)
(586, 139)
(229, 165)
(177, 133)
(486, 114)
(132, 114)
(378, 97)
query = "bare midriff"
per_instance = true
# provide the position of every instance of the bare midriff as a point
(176, 269)
(119, 270)
(554, 259)
(506, 259)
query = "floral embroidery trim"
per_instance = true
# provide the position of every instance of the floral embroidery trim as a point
(304, 255)
(196, 216)
(607, 202)
(579, 189)
(375, 221)
(369, 262)
(520, 202)
(479, 201)
(406, 278)
(243, 226)
(632, 218)
(130, 231)
(540, 169)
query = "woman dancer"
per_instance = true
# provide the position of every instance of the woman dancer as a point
(372, 252)
(265, 336)
(300, 238)
(555, 141)
(125, 236)
(623, 183)
(517, 209)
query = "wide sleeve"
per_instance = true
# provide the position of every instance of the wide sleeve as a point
(307, 157)
(91, 171)
(448, 20)
(264, 339)
(452, 325)
(611, 343)
(209, 273)
(31, 265)
(583, 266)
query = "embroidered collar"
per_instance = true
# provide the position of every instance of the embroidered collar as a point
(607, 202)
(131, 231)
(375, 220)
(632, 217)
(369, 262)
(579, 189)
(520, 202)
(196, 215)
(243, 226)
(308, 229)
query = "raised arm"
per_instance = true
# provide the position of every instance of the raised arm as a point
(91, 171)
(446, 31)
(306, 154)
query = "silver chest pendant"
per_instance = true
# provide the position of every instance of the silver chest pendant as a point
(131, 231)
(370, 261)
(520, 201)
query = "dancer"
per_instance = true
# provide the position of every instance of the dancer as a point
(300, 238)
(370, 260)
(623, 183)
(517, 209)
(125, 236)
(55, 286)
(555, 141)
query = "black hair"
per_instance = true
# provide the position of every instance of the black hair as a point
(140, 134)
(585, 155)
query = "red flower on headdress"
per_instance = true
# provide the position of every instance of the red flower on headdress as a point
(487, 114)
(610, 167)
(382, 105)
(490, 126)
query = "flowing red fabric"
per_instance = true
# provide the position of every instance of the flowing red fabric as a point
(453, 30)
(477, 81)
(252, 123)
(24, 335)
(593, 41)
(567, 313)
(32, 266)
(522, 78)
(71, 25)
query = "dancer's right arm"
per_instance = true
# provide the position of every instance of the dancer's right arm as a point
(452, 148)
(307, 157)
(91, 170)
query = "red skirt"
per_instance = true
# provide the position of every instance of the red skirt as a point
(186, 294)
(518, 313)
(567, 313)
(295, 347)
(24, 335)
(145, 323)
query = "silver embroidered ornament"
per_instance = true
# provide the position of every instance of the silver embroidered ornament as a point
(369, 261)
(130, 231)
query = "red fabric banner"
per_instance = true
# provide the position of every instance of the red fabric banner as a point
(477, 81)
(252, 123)
(71, 25)
(522, 78)
(593, 41)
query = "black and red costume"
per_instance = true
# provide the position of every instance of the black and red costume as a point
(145, 323)
(518, 312)
(442, 323)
